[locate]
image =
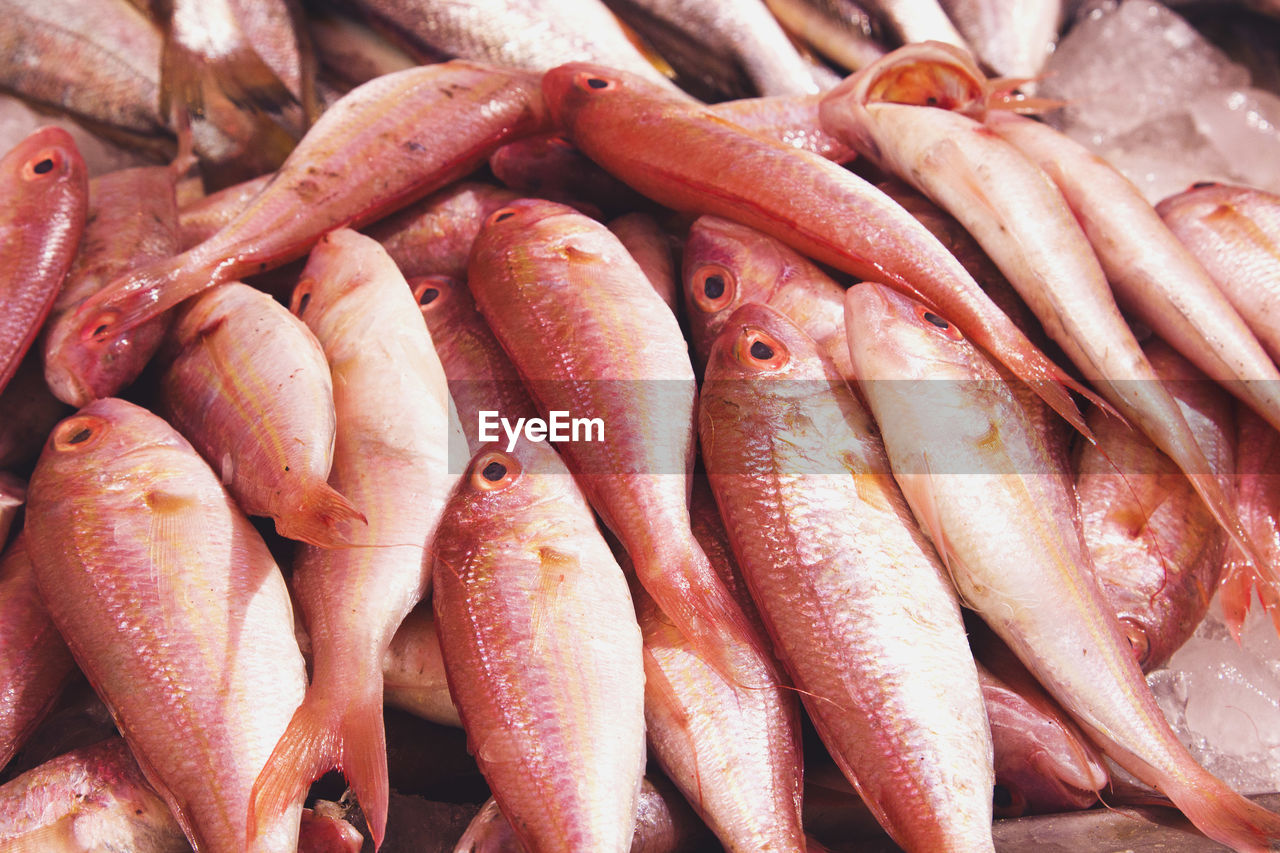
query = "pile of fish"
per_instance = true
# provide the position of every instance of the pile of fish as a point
(634, 435)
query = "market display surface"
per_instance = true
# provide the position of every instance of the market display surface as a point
(655, 425)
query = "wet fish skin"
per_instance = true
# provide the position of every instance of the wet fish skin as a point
(34, 661)
(1258, 494)
(1021, 219)
(413, 676)
(654, 250)
(1010, 39)
(385, 372)
(1153, 276)
(132, 220)
(818, 208)
(91, 799)
(369, 154)
(1158, 553)
(591, 337)
(727, 265)
(45, 188)
(542, 651)
(1235, 233)
(789, 119)
(548, 166)
(846, 583)
(201, 219)
(249, 386)
(1014, 551)
(174, 609)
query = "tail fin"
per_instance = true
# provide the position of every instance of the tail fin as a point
(1224, 815)
(1210, 490)
(321, 516)
(237, 72)
(322, 735)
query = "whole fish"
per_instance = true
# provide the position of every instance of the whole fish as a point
(815, 206)
(175, 610)
(532, 36)
(385, 371)
(434, 236)
(727, 265)
(1235, 233)
(841, 30)
(592, 338)
(34, 661)
(249, 386)
(970, 464)
(860, 610)
(1020, 218)
(413, 677)
(1011, 39)
(1158, 552)
(1154, 277)
(377, 149)
(742, 31)
(91, 799)
(654, 250)
(45, 189)
(132, 220)
(542, 651)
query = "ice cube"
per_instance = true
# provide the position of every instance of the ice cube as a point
(1165, 156)
(1120, 69)
(1223, 700)
(1243, 125)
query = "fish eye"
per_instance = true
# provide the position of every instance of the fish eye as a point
(500, 215)
(428, 289)
(44, 164)
(587, 81)
(99, 328)
(301, 296)
(494, 471)
(760, 350)
(79, 432)
(937, 322)
(714, 287)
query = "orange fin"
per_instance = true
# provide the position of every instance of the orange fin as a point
(322, 517)
(1225, 816)
(1236, 591)
(189, 76)
(321, 736)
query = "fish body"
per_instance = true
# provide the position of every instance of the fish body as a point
(200, 219)
(542, 651)
(846, 583)
(816, 207)
(132, 220)
(1235, 233)
(653, 249)
(973, 468)
(391, 457)
(1258, 493)
(249, 386)
(1025, 225)
(369, 154)
(790, 119)
(174, 609)
(413, 676)
(1158, 552)
(592, 338)
(45, 188)
(34, 661)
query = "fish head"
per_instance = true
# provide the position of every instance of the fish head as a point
(335, 284)
(107, 436)
(81, 368)
(46, 161)
(924, 74)
(757, 343)
(440, 296)
(571, 89)
(892, 336)
(725, 266)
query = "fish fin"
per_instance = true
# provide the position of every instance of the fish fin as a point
(324, 734)
(1210, 490)
(1002, 94)
(59, 835)
(188, 77)
(1224, 815)
(1236, 591)
(322, 516)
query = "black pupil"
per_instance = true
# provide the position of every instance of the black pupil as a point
(1199, 185)
(506, 214)
(82, 435)
(597, 83)
(494, 471)
(762, 351)
(303, 302)
(45, 165)
(429, 295)
(714, 286)
(101, 330)
(936, 320)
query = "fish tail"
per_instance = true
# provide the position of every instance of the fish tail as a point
(1210, 490)
(188, 78)
(1224, 815)
(1235, 592)
(702, 609)
(322, 516)
(324, 734)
